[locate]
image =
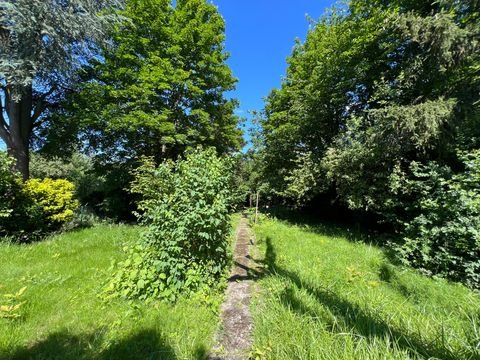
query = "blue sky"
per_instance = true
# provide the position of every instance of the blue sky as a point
(260, 36)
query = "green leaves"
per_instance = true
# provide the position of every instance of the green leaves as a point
(10, 310)
(380, 84)
(443, 237)
(10, 184)
(41, 37)
(160, 88)
(328, 80)
(377, 100)
(362, 159)
(185, 207)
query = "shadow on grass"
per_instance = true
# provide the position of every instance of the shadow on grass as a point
(352, 232)
(146, 344)
(338, 228)
(350, 229)
(388, 274)
(368, 324)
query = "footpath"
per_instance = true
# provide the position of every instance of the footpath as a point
(234, 337)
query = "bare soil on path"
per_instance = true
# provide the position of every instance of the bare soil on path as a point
(234, 338)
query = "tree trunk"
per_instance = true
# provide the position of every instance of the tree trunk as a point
(19, 109)
(21, 155)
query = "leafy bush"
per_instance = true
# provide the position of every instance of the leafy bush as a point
(362, 158)
(9, 184)
(99, 185)
(444, 236)
(31, 209)
(56, 199)
(79, 169)
(186, 208)
(20, 216)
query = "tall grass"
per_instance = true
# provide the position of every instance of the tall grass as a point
(326, 295)
(62, 316)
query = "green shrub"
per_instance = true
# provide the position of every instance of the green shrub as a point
(56, 199)
(79, 169)
(443, 238)
(185, 206)
(100, 185)
(20, 216)
(30, 210)
(9, 184)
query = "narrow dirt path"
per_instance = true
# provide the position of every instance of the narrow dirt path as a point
(233, 340)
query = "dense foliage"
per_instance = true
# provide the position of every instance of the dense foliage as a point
(375, 89)
(78, 168)
(42, 45)
(159, 87)
(115, 80)
(8, 186)
(18, 212)
(31, 209)
(185, 207)
(96, 189)
(56, 198)
(156, 89)
(444, 236)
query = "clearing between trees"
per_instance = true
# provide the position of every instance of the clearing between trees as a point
(325, 292)
(329, 293)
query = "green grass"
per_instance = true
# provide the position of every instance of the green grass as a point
(325, 295)
(64, 317)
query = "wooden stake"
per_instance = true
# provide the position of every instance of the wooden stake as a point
(256, 207)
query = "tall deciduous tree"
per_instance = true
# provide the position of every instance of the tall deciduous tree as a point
(159, 88)
(383, 84)
(42, 42)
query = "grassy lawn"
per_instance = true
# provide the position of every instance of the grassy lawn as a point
(63, 316)
(326, 295)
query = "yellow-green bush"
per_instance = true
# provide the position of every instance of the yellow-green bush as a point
(55, 197)
(30, 210)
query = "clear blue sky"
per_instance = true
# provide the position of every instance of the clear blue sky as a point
(260, 36)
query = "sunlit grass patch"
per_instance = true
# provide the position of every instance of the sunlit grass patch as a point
(325, 297)
(63, 315)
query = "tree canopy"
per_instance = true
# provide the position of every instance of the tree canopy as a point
(42, 44)
(380, 84)
(159, 87)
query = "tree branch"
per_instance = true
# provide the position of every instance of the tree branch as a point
(40, 105)
(66, 88)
